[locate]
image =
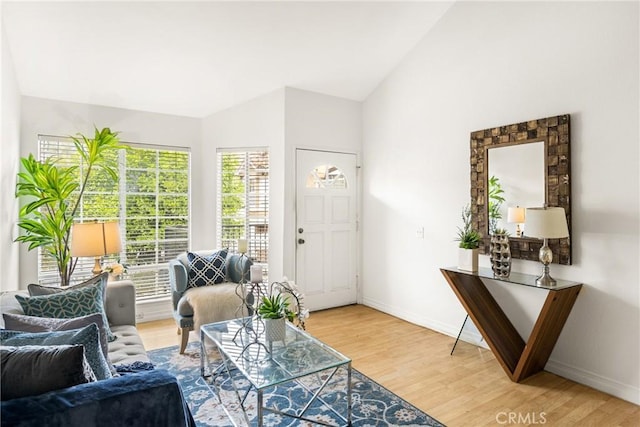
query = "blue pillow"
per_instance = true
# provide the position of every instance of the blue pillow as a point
(20, 322)
(207, 270)
(31, 370)
(68, 304)
(88, 336)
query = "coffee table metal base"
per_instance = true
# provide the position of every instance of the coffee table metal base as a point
(226, 366)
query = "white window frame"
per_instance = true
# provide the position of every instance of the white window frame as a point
(155, 289)
(257, 243)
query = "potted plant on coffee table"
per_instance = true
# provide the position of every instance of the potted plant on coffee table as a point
(469, 241)
(274, 311)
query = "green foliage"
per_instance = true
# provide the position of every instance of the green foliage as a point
(467, 236)
(495, 202)
(233, 190)
(500, 232)
(54, 193)
(275, 307)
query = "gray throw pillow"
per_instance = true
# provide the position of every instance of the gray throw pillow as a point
(88, 336)
(32, 370)
(37, 290)
(20, 322)
(68, 304)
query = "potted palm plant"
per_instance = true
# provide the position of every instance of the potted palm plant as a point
(469, 241)
(52, 195)
(274, 311)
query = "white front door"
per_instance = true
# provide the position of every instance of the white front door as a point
(326, 228)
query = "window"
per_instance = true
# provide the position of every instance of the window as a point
(243, 202)
(326, 176)
(151, 202)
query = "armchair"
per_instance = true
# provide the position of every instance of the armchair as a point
(193, 307)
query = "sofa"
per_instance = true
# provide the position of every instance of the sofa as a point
(140, 396)
(209, 296)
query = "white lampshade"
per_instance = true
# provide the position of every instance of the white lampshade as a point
(515, 215)
(95, 239)
(547, 223)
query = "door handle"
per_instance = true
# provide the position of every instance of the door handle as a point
(301, 241)
(300, 230)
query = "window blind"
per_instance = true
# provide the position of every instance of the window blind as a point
(243, 202)
(151, 201)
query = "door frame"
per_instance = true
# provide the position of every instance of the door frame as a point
(358, 203)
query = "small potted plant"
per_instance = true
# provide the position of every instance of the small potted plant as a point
(469, 241)
(274, 311)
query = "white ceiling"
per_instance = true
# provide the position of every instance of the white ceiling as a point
(196, 58)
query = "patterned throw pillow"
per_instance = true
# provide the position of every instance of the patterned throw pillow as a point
(20, 322)
(207, 270)
(32, 370)
(68, 304)
(87, 336)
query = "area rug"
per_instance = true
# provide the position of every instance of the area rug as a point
(372, 404)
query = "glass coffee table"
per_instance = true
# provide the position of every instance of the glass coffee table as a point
(234, 352)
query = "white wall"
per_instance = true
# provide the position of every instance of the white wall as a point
(256, 123)
(320, 122)
(282, 121)
(9, 163)
(490, 64)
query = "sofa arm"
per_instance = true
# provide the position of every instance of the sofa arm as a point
(151, 398)
(178, 279)
(120, 304)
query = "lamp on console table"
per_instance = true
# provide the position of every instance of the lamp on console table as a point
(516, 216)
(95, 239)
(546, 223)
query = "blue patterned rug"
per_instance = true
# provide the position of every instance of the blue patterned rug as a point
(373, 405)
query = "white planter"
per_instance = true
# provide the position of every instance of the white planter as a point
(468, 259)
(275, 329)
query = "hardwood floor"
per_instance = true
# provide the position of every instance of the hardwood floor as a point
(466, 389)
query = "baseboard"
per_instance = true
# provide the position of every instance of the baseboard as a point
(590, 379)
(148, 311)
(467, 335)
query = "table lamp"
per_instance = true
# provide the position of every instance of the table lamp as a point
(546, 223)
(516, 215)
(95, 239)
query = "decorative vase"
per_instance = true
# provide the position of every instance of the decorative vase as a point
(500, 255)
(275, 329)
(468, 259)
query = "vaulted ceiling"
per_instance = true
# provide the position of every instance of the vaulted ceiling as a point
(196, 58)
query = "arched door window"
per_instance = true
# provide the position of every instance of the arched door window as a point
(326, 176)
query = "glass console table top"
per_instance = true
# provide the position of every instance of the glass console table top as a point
(515, 278)
(302, 354)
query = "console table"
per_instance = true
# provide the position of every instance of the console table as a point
(519, 359)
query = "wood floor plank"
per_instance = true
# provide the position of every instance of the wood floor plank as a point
(466, 389)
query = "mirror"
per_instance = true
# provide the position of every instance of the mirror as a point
(532, 163)
(519, 171)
